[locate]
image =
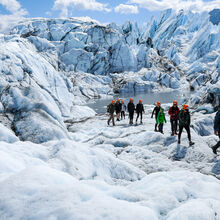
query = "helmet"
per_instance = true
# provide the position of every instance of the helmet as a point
(122, 101)
(140, 101)
(185, 107)
(118, 100)
(113, 101)
(175, 102)
(131, 99)
(158, 103)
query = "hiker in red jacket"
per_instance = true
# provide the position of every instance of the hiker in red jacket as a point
(173, 112)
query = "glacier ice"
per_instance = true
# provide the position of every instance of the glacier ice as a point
(61, 160)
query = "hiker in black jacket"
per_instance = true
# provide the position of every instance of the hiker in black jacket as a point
(131, 109)
(118, 106)
(156, 111)
(139, 110)
(184, 122)
(217, 131)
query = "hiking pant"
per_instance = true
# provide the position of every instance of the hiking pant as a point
(131, 116)
(173, 125)
(111, 117)
(160, 127)
(155, 127)
(139, 113)
(122, 114)
(118, 115)
(187, 130)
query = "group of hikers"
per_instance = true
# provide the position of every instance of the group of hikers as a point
(177, 117)
(120, 108)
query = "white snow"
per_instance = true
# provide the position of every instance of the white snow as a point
(121, 172)
(7, 135)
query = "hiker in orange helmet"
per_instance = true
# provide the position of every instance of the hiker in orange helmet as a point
(156, 111)
(139, 110)
(184, 122)
(173, 112)
(111, 110)
(118, 109)
(123, 109)
(131, 109)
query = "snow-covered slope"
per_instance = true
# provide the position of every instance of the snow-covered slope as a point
(122, 172)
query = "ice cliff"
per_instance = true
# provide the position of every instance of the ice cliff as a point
(178, 44)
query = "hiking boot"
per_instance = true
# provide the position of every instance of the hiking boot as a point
(108, 122)
(118, 119)
(178, 142)
(141, 122)
(113, 124)
(176, 133)
(191, 143)
(214, 149)
(172, 134)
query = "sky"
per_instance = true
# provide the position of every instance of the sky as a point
(118, 11)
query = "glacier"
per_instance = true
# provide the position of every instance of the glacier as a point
(58, 157)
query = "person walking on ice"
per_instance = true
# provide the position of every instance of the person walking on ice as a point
(131, 109)
(156, 111)
(118, 109)
(217, 130)
(184, 122)
(111, 110)
(173, 112)
(123, 109)
(161, 119)
(139, 110)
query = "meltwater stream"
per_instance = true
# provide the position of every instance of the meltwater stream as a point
(99, 105)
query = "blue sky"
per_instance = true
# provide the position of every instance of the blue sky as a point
(104, 11)
(44, 8)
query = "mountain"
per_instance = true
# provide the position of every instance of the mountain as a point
(180, 43)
